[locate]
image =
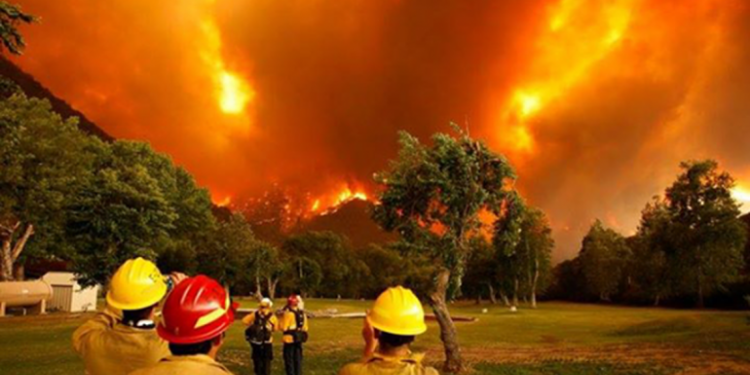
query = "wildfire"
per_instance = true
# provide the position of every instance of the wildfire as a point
(224, 202)
(741, 194)
(233, 92)
(339, 197)
(580, 34)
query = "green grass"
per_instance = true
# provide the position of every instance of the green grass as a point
(557, 338)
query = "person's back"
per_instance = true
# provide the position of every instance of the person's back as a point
(116, 344)
(199, 364)
(107, 346)
(390, 328)
(379, 364)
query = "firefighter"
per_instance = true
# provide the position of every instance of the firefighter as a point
(389, 329)
(122, 338)
(294, 325)
(259, 334)
(196, 316)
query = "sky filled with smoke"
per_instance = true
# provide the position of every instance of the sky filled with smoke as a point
(595, 102)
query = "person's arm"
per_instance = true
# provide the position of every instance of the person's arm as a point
(274, 322)
(101, 322)
(248, 319)
(368, 334)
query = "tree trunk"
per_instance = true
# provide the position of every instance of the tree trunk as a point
(700, 303)
(19, 273)
(258, 292)
(534, 283)
(448, 335)
(504, 297)
(9, 253)
(656, 299)
(515, 292)
(272, 287)
(493, 299)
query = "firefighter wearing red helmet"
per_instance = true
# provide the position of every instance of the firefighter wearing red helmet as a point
(294, 326)
(194, 318)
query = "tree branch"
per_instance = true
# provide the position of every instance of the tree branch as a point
(18, 248)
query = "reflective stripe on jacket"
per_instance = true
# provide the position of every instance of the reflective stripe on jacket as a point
(109, 347)
(380, 364)
(200, 364)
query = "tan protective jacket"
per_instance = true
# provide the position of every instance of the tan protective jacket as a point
(109, 347)
(200, 364)
(380, 364)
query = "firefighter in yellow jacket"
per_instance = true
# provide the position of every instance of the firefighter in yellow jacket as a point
(294, 325)
(196, 316)
(123, 337)
(259, 333)
(390, 327)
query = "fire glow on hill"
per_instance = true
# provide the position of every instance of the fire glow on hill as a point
(595, 102)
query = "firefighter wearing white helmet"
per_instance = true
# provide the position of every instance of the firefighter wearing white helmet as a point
(260, 327)
(389, 329)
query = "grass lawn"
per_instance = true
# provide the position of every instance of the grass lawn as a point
(557, 338)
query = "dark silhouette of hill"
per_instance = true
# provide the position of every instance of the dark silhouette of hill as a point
(33, 88)
(351, 219)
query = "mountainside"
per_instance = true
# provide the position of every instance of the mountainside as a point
(33, 88)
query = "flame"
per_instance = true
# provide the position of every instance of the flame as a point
(232, 91)
(580, 35)
(333, 200)
(224, 202)
(741, 194)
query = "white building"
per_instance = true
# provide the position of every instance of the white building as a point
(68, 295)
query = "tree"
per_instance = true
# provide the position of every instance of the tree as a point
(119, 214)
(537, 242)
(507, 236)
(230, 255)
(11, 17)
(432, 197)
(708, 237)
(604, 255)
(265, 265)
(651, 269)
(482, 270)
(41, 156)
(325, 249)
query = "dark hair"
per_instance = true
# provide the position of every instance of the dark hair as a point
(135, 316)
(390, 340)
(192, 349)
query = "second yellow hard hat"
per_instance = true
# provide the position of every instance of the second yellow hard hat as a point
(399, 312)
(137, 284)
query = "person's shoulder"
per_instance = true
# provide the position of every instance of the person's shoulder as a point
(352, 368)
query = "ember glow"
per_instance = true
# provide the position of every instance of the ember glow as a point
(594, 101)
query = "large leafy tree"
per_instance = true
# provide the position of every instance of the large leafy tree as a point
(507, 237)
(121, 213)
(604, 255)
(706, 233)
(652, 246)
(230, 253)
(324, 249)
(432, 196)
(41, 159)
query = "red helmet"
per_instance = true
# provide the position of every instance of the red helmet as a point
(197, 309)
(293, 300)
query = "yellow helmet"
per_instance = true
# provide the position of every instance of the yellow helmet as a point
(399, 312)
(137, 284)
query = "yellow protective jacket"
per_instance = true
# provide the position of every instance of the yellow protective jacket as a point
(289, 323)
(109, 347)
(272, 323)
(379, 364)
(200, 364)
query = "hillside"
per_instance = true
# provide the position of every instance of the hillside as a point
(32, 87)
(351, 219)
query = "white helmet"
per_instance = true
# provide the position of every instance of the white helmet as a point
(266, 302)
